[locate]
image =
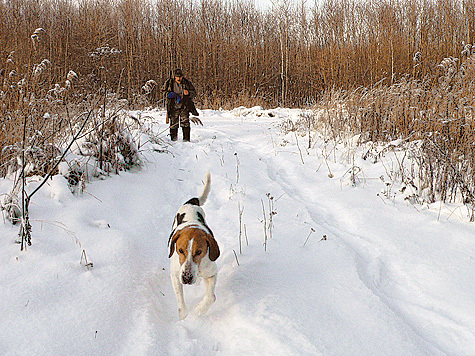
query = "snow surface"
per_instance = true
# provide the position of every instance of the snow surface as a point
(391, 278)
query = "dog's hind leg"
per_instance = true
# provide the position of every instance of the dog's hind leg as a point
(209, 297)
(178, 288)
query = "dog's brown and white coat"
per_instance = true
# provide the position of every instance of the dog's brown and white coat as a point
(193, 251)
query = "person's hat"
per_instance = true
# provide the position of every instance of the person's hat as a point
(178, 73)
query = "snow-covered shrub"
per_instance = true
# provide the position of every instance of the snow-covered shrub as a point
(111, 146)
(431, 119)
(37, 157)
(41, 120)
(149, 86)
(11, 205)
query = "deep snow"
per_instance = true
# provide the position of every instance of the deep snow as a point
(389, 278)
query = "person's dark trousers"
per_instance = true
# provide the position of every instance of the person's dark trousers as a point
(185, 124)
(186, 133)
(179, 118)
(173, 117)
(173, 133)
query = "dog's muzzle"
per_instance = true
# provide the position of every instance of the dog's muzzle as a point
(187, 277)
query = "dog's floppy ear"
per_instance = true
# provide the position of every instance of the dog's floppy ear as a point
(213, 247)
(172, 244)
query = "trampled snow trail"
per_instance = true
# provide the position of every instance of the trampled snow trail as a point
(385, 280)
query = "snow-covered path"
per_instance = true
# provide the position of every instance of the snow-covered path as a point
(386, 280)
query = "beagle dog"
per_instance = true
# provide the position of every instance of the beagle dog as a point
(193, 251)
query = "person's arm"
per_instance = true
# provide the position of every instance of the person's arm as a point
(190, 90)
(166, 88)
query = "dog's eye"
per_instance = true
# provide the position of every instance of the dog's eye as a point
(181, 250)
(197, 253)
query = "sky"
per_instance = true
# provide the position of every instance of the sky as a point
(268, 3)
(264, 3)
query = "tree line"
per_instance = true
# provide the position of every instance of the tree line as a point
(234, 51)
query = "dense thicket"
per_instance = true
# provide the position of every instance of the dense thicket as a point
(233, 50)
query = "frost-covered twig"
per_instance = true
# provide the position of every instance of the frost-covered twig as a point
(265, 224)
(25, 230)
(240, 211)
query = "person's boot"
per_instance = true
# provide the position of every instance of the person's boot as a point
(186, 133)
(174, 134)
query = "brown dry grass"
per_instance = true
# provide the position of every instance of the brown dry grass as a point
(436, 112)
(287, 55)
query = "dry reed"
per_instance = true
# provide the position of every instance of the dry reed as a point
(235, 52)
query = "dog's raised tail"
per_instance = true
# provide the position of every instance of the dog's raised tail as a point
(204, 195)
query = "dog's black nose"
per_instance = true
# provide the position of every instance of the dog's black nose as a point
(187, 278)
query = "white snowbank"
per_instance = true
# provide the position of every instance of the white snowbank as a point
(347, 270)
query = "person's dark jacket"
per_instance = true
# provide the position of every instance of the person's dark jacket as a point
(187, 100)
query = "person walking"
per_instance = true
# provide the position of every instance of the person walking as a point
(179, 93)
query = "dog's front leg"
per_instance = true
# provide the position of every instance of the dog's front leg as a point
(209, 297)
(178, 288)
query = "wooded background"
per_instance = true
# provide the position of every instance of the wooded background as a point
(234, 51)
